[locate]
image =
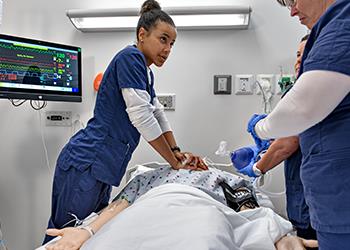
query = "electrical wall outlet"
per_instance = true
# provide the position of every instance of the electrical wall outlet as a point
(244, 84)
(167, 100)
(266, 81)
(59, 118)
(222, 84)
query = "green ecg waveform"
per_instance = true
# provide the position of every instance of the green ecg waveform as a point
(25, 68)
(34, 50)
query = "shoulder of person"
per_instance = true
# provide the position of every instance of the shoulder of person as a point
(130, 55)
(130, 51)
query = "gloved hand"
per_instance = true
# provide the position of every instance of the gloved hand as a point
(242, 157)
(261, 144)
(248, 170)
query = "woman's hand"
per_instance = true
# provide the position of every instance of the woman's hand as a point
(295, 243)
(189, 161)
(72, 238)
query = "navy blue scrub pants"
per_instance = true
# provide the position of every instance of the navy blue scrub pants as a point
(333, 241)
(78, 193)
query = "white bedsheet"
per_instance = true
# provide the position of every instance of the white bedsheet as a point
(179, 217)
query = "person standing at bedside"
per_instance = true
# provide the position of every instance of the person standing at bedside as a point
(95, 159)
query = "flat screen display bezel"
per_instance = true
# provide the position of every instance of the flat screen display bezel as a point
(45, 95)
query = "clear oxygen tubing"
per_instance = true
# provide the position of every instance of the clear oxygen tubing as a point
(228, 167)
(209, 162)
(265, 180)
(263, 95)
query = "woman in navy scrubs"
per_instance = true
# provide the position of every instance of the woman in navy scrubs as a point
(126, 107)
(317, 109)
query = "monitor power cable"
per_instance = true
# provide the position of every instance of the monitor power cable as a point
(43, 140)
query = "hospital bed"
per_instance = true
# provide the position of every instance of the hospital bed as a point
(175, 216)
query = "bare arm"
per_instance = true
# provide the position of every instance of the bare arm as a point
(162, 146)
(73, 238)
(279, 151)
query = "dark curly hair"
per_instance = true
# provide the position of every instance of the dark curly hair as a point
(150, 14)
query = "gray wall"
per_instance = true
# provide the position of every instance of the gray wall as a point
(200, 122)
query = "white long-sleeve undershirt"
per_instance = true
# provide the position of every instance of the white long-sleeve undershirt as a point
(149, 120)
(313, 97)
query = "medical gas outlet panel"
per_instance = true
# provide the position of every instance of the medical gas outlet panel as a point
(249, 84)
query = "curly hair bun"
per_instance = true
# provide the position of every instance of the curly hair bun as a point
(149, 5)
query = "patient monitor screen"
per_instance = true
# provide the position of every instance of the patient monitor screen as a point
(35, 67)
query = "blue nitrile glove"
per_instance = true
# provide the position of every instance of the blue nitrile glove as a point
(261, 144)
(242, 157)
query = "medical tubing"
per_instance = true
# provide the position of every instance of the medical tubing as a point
(263, 95)
(208, 162)
(268, 181)
(43, 140)
(36, 104)
(17, 103)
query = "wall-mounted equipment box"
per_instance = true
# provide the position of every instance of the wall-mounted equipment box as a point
(59, 118)
(167, 100)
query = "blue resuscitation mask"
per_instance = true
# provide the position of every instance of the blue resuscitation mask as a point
(242, 157)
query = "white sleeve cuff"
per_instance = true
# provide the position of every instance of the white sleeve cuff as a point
(140, 112)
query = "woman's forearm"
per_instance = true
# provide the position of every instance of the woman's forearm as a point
(162, 146)
(279, 151)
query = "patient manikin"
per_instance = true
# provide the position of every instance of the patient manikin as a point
(209, 182)
(213, 182)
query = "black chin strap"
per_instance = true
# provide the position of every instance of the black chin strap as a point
(238, 197)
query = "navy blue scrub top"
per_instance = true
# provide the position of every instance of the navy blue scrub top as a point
(109, 139)
(325, 170)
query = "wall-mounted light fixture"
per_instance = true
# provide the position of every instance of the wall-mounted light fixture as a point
(199, 17)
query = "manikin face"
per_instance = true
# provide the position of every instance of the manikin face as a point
(309, 11)
(157, 43)
(300, 52)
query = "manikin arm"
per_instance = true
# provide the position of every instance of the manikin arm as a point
(73, 238)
